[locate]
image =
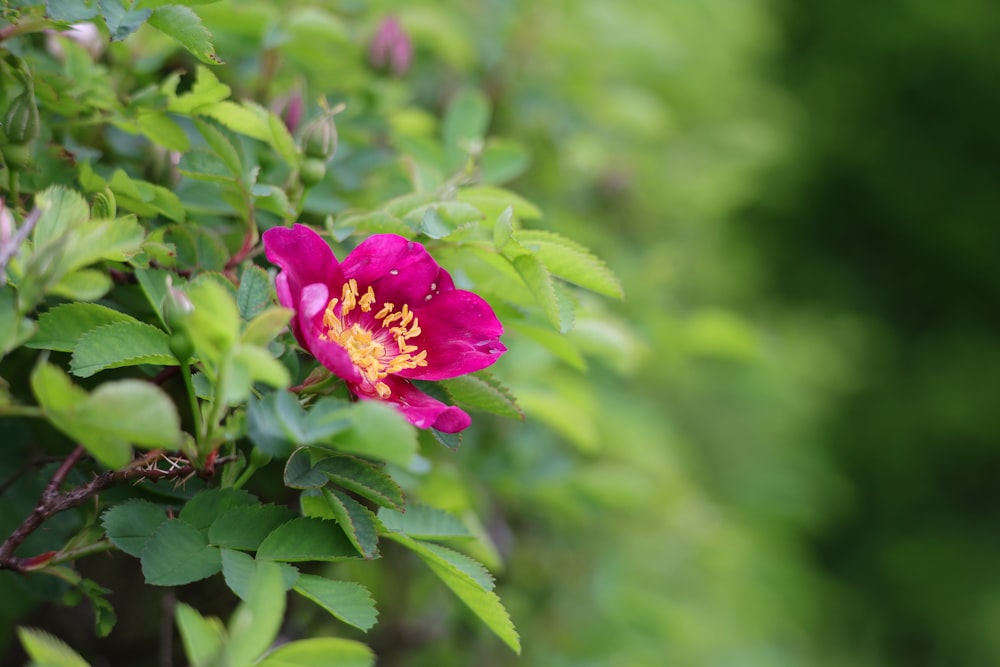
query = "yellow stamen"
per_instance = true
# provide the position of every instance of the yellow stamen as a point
(367, 348)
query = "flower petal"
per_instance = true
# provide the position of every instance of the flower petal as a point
(304, 258)
(399, 270)
(423, 411)
(460, 333)
(309, 317)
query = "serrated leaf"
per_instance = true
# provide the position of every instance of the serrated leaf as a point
(202, 637)
(539, 282)
(124, 343)
(163, 130)
(121, 20)
(207, 90)
(349, 601)
(300, 473)
(362, 478)
(375, 222)
(130, 524)
(357, 521)
(423, 521)
(134, 410)
(254, 294)
(61, 327)
(95, 240)
(492, 200)
(221, 146)
(238, 570)
(481, 390)
(245, 526)
(466, 564)
(484, 603)
(205, 166)
(282, 139)
(177, 554)
(256, 621)
(320, 652)
(465, 122)
(305, 539)
(238, 118)
(185, 26)
(571, 261)
(48, 651)
(206, 506)
(61, 209)
(71, 11)
(503, 229)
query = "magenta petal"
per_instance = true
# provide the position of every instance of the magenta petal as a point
(312, 304)
(400, 271)
(303, 256)
(423, 411)
(460, 333)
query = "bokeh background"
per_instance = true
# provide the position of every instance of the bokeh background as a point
(781, 447)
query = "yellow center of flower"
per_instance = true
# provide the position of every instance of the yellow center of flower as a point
(379, 343)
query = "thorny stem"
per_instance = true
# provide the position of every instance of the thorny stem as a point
(53, 501)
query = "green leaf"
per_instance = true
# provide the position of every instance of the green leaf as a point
(71, 11)
(239, 118)
(256, 621)
(14, 329)
(320, 652)
(299, 471)
(346, 600)
(203, 638)
(239, 568)
(214, 325)
(465, 122)
(207, 90)
(160, 128)
(206, 506)
(154, 285)
(95, 240)
(61, 210)
(466, 564)
(266, 325)
(481, 390)
(221, 146)
(177, 554)
(305, 539)
(492, 201)
(325, 419)
(503, 229)
(255, 293)
(130, 524)
(124, 343)
(205, 166)
(282, 139)
(363, 478)
(539, 281)
(185, 26)
(61, 327)
(48, 651)
(269, 432)
(82, 285)
(379, 431)
(357, 521)
(121, 20)
(502, 161)
(375, 222)
(571, 261)
(133, 410)
(423, 521)
(484, 603)
(246, 526)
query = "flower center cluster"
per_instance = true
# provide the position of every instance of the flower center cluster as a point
(378, 343)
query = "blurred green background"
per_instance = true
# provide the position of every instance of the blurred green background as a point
(780, 447)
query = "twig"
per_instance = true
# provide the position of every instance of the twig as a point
(53, 502)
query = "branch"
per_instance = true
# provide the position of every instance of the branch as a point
(53, 502)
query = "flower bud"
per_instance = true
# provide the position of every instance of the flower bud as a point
(20, 123)
(319, 139)
(289, 109)
(391, 47)
(7, 225)
(177, 308)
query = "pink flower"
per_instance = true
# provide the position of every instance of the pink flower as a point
(384, 316)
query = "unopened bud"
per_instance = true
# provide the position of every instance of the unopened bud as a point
(7, 226)
(177, 307)
(391, 47)
(319, 139)
(289, 109)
